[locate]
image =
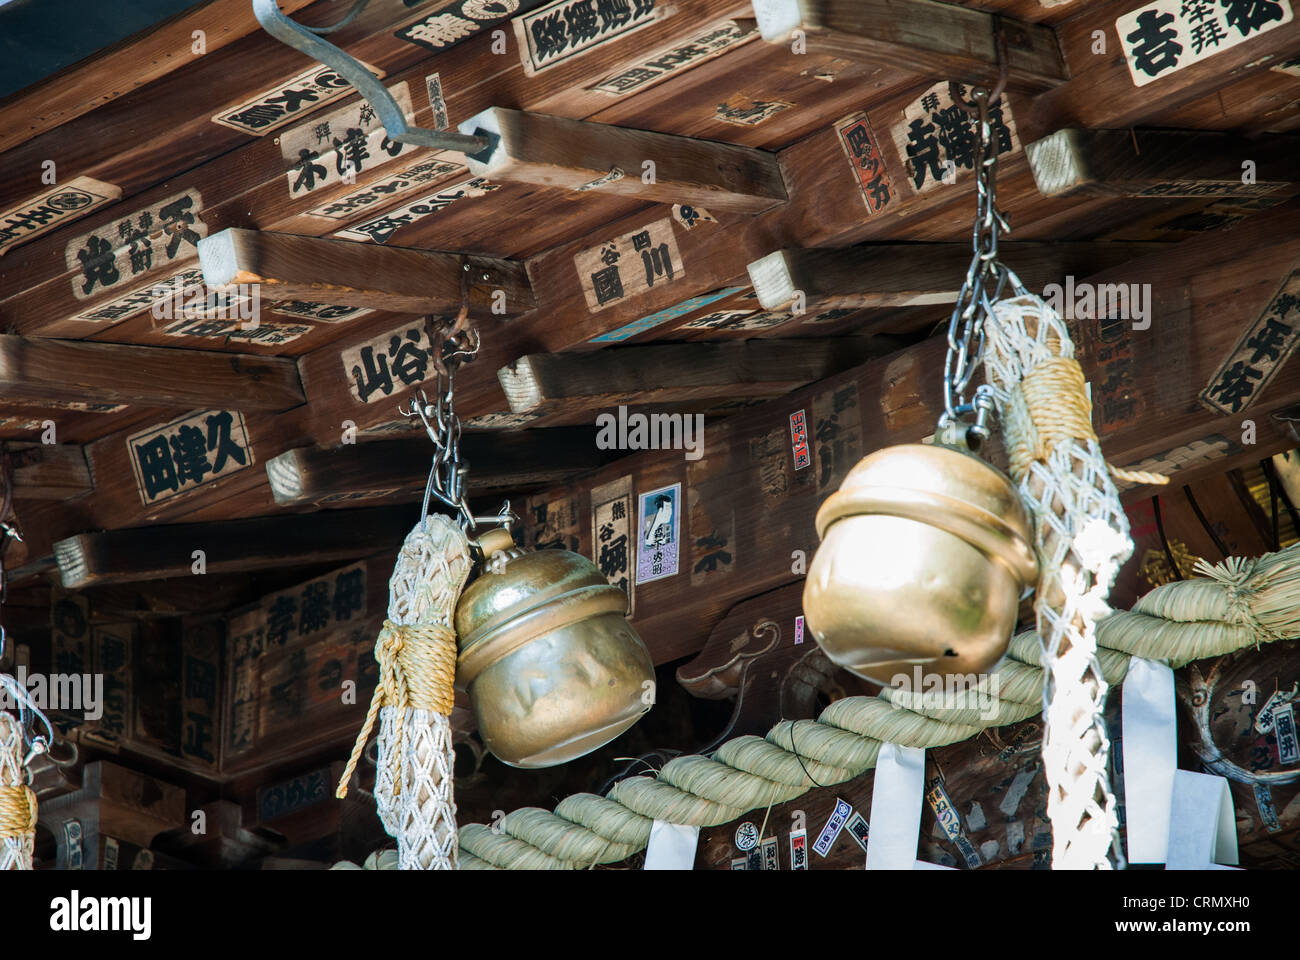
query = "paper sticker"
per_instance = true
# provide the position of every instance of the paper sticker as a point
(950, 822)
(1267, 810)
(1259, 354)
(1164, 37)
(746, 836)
(629, 265)
(560, 31)
(437, 103)
(382, 228)
(858, 829)
(937, 141)
(336, 148)
(659, 317)
(742, 111)
(719, 320)
(1265, 719)
(144, 242)
(110, 853)
(381, 191)
(712, 42)
(740, 863)
(830, 833)
(611, 533)
(658, 532)
(799, 440)
(771, 853)
(864, 155)
(690, 217)
(265, 333)
(615, 173)
(54, 208)
(1288, 748)
(286, 102)
(146, 295)
(454, 22)
(387, 364)
(798, 849)
(798, 630)
(320, 312)
(172, 458)
(500, 421)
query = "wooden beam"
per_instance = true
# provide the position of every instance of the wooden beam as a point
(901, 274)
(155, 553)
(151, 376)
(673, 373)
(361, 274)
(1162, 163)
(50, 472)
(580, 155)
(939, 39)
(497, 461)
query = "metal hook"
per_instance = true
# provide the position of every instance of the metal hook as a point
(1000, 48)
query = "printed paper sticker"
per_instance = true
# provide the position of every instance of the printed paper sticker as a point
(1288, 747)
(770, 850)
(629, 265)
(142, 243)
(1164, 37)
(382, 228)
(858, 829)
(437, 103)
(57, 206)
(381, 191)
(860, 146)
(1259, 354)
(265, 332)
(798, 630)
(560, 31)
(336, 148)
(798, 849)
(146, 295)
(611, 532)
(387, 364)
(659, 317)
(690, 217)
(286, 102)
(742, 111)
(172, 458)
(657, 538)
(937, 141)
(950, 822)
(454, 22)
(320, 312)
(799, 440)
(746, 836)
(831, 832)
(740, 863)
(712, 42)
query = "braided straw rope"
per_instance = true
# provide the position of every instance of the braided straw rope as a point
(1242, 603)
(416, 653)
(17, 802)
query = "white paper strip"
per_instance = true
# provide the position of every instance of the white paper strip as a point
(671, 846)
(1202, 828)
(1150, 745)
(895, 817)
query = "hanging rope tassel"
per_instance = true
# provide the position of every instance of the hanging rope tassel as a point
(1082, 538)
(416, 653)
(17, 801)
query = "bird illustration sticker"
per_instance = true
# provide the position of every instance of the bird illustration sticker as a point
(658, 538)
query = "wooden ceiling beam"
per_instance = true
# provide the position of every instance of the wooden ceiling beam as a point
(674, 373)
(914, 274)
(1162, 163)
(50, 472)
(36, 369)
(656, 167)
(232, 546)
(497, 461)
(941, 39)
(291, 267)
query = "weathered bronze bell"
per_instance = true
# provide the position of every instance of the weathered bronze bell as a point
(925, 552)
(552, 667)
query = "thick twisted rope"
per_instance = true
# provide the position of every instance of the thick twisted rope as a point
(1242, 603)
(17, 801)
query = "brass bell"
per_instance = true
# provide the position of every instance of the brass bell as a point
(925, 552)
(552, 667)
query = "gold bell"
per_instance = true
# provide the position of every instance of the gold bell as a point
(552, 667)
(925, 552)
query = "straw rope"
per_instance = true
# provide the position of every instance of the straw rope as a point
(17, 801)
(1240, 603)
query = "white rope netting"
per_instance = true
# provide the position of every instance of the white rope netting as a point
(1082, 536)
(17, 804)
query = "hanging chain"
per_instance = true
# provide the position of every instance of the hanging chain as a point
(986, 278)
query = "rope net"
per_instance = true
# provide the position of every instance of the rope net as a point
(17, 802)
(416, 653)
(1239, 604)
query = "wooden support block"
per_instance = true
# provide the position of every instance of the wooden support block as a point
(361, 274)
(580, 155)
(33, 369)
(673, 373)
(497, 461)
(50, 472)
(1162, 163)
(932, 38)
(144, 553)
(900, 274)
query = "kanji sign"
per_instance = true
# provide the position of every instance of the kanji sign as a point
(712, 42)
(146, 295)
(286, 102)
(629, 265)
(381, 228)
(1259, 353)
(611, 533)
(742, 111)
(320, 312)
(1163, 37)
(799, 439)
(565, 29)
(337, 147)
(454, 22)
(54, 208)
(176, 457)
(325, 603)
(939, 143)
(387, 364)
(265, 332)
(860, 147)
(658, 534)
(381, 191)
(139, 244)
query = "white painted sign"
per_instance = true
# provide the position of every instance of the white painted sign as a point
(1164, 37)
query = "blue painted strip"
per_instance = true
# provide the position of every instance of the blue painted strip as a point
(663, 316)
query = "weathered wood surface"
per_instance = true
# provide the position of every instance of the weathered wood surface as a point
(50, 472)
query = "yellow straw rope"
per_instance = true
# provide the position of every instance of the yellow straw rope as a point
(17, 811)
